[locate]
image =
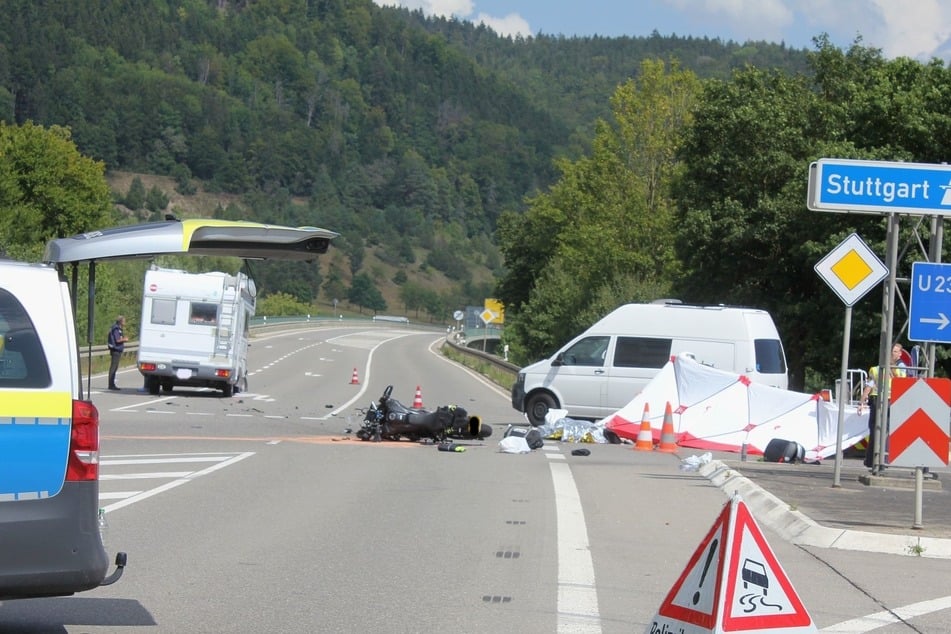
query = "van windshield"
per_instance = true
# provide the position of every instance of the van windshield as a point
(769, 356)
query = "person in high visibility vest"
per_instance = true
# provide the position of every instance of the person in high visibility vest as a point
(870, 397)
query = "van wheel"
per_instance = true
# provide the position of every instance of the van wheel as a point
(227, 390)
(152, 385)
(537, 407)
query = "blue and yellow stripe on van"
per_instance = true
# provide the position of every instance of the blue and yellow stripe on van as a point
(34, 443)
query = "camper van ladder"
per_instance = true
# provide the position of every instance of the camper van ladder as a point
(223, 337)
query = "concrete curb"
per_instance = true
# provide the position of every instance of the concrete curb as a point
(797, 528)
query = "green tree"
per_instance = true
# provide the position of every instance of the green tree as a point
(334, 287)
(364, 293)
(156, 201)
(135, 197)
(746, 236)
(606, 225)
(412, 294)
(281, 304)
(47, 189)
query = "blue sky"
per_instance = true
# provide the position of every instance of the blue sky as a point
(919, 29)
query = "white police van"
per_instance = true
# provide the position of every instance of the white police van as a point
(49, 427)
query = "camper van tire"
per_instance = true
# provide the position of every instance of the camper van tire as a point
(537, 406)
(227, 390)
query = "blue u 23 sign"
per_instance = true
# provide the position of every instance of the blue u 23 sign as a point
(929, 306)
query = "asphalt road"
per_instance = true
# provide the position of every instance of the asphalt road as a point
(259, 513)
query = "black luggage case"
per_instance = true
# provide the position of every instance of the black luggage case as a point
(779, 450)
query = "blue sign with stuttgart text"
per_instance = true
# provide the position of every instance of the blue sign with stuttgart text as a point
(845, 185)
(929, 304)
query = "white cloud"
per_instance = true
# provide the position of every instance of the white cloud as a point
(444, 8)
(919, 29)
(511, 25)
(745, 19)
(913, 29)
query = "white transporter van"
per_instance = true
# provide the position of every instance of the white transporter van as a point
(601, 370)
(49, 426)
(195, 330)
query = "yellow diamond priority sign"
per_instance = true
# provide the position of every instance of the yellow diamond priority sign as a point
(851, 269)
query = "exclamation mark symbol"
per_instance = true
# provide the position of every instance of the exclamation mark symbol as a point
(706, 567)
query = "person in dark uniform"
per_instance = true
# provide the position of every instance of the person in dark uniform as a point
(116, 343)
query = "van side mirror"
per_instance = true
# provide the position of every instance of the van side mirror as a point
(559, 359)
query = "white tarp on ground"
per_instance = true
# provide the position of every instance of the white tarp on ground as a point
(721, 411)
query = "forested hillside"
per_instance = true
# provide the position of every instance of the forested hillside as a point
(408, 135)
(562, 175)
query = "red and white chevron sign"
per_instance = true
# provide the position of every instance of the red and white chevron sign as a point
(919, 417)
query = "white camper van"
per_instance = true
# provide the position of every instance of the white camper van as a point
(602, 369)
(195, 330)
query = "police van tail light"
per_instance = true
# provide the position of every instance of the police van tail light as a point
(84, 443)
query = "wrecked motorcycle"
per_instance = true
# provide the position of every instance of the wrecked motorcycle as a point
(389, 419)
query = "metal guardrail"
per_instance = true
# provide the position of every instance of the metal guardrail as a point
(260, 325)
(502, 364)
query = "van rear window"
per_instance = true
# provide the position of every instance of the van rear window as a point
(203, 313)
(769, 356)
(641, 352)
(22, 362)
(163, 312)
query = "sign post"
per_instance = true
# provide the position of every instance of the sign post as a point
(487, 317)
(851, 269)
(919, 434)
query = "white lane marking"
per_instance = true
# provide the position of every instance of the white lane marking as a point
(577, 592)
(881, 619)
(153, 475)
(160, 460)
(181, 478)
(117, 495)
(366, 376)
(132, 407)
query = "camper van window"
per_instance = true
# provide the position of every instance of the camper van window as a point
(641, 352)
(203, 313)
(589, 351)
(769, 356)
(163, 312)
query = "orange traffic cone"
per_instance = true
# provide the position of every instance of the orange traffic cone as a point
(354, 380)
(418, 399)
(645, 437)
(668, 441)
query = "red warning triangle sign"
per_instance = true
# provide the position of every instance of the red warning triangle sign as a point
(693, 598)
(759, 595)
(732, 583)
